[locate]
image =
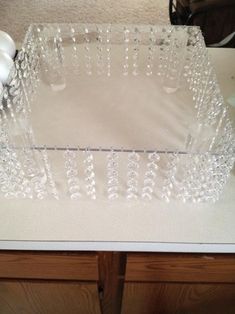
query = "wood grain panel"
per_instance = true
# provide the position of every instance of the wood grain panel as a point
(173, 298)
(26, 297)
(112, 274)
(46, 265)
(180, 267)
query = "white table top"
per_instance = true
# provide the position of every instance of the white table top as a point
(123, 226)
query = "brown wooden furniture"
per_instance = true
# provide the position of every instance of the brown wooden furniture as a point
(114, 282)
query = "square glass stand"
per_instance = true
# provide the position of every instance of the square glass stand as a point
(131, 111)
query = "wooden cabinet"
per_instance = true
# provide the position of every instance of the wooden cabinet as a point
(49, 297)
(179, 283)
(183, 298)
(46, 265)
(61, 283)
(115, 282)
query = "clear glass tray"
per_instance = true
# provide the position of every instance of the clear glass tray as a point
(114, 111)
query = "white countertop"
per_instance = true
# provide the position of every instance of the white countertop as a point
(100, 225)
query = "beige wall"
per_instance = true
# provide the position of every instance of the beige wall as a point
(16, 15)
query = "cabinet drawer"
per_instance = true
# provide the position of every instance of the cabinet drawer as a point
(180, 267)
(47, 265)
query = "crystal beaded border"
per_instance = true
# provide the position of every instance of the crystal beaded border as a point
(26, 171)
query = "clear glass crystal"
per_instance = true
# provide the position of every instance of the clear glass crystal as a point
(139, 105)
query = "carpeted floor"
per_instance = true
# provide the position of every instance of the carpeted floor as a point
(16, 15)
